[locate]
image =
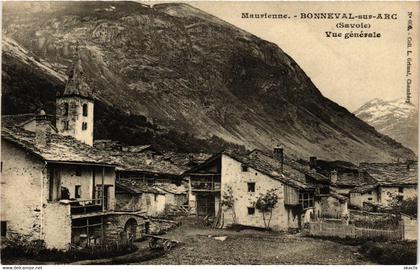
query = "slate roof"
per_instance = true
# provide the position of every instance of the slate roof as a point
(17, 119)
(272, 167)
(354, 179)
(136, 187)
(112, 145)
(21, 119)
(265, 165)
(61, 148)
(338, 197)
(291, 164)
(186, 160)
(310, 172)
(172, 188)
(143, 162)
(365, 188)
(76, 84)
(392, 174)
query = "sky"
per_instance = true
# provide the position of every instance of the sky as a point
(350, 72)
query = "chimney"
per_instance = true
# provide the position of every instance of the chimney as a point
(42, 129)
(279, 155)
(312, 162)
(333, 176)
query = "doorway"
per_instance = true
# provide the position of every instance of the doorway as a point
(205, 205)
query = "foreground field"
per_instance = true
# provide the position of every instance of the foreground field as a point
(202, 245)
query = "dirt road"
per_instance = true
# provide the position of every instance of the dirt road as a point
(253, 247)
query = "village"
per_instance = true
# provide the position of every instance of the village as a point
(62, 190)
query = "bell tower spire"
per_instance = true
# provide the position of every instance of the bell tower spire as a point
(74, 107)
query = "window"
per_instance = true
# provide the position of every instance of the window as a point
(3, 226)
(251, 187)
(244, 168)
(324, 190)
(66, 125)
(370, 192)
(400, 190)
(84, 126)
(66, 109)
(370, 199)
(85, 110)
(251, 210)
(78, 171)
(306, 200)
(78, 191)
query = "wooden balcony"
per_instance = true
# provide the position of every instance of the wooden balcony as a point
(205, 182)
(81, 207)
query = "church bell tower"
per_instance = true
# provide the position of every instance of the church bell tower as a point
(74, 108)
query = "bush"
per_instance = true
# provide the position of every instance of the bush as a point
(35, 249)
(396, 252)
(406, 206)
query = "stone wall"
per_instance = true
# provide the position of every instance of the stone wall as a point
(128, 202)
(57, 225)
(233, 176)
(114, 229)
(358, 199)
(150, 204)
(153, 204)
(328, 206)
(175, 199)
(70, 179)
(23, 188)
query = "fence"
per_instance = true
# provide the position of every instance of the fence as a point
(351, 231)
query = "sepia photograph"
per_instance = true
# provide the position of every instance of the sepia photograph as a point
(209, 133)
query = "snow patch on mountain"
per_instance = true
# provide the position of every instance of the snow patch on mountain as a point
(394, 118)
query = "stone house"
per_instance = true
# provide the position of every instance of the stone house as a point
(62, 187)
(331, 205)
(392, 180)
(248, 176)
(327, 203)
(343, 177)
(146, 180)
(146, 199)
(134, 196)
(364, 194)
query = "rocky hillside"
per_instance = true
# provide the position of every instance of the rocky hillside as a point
(396, 118)
(188, 72)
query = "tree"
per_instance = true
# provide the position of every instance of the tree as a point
(229, 201)
(265, 204)
(403, 206)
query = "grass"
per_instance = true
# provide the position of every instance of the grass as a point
(391, 252)
(38, 252)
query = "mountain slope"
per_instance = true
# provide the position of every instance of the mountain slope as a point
(188, 71)
(395, 118)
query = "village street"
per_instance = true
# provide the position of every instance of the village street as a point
(252, 247)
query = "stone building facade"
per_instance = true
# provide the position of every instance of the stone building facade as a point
(245, 178)
(56, 187)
